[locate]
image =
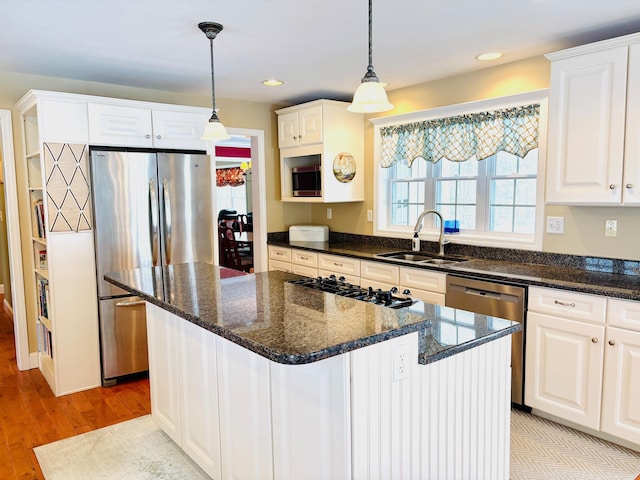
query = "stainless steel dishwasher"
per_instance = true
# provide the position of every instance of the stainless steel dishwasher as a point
(497, 300)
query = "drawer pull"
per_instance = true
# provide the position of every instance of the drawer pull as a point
(594, 340)
(565, 304)
(612, 342)
(337, 264)
(304, 258)
(280, 254)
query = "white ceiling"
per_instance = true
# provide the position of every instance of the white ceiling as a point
(319, 48)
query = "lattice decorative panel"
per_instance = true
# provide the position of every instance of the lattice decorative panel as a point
(68, 190)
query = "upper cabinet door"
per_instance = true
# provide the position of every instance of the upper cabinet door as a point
(116, 125)
(179, 130)
(586, 128)
(631, 187)
(288, 130)
(310, 125)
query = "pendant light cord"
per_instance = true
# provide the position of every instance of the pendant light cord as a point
(370, 67)
(213, 85)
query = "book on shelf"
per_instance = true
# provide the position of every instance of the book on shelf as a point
(38, 206)
(42, 255)
(43, 298)
(45, 339)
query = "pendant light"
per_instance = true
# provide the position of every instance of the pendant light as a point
(214, 131)
(370, 96)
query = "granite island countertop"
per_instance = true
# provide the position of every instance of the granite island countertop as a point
(596, 280)
(293, 324)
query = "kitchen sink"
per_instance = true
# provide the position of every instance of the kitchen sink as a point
(412, 257)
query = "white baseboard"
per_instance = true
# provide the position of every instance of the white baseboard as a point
(8, 309)
(33, 360)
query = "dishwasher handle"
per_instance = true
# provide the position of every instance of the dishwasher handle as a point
(482, 293)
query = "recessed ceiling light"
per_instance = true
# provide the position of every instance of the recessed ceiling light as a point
(272, 82)
(489, 56)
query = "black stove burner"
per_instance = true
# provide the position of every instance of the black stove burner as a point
(339, 286)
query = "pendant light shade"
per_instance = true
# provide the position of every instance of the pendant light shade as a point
(370, 96)
(214, 131)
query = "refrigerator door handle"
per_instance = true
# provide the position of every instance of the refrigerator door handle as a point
(167, 221)
(133, 303)
(153, 221)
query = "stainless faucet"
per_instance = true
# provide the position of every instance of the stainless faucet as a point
(415, 244)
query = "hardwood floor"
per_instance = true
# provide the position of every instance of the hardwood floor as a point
(30, 415)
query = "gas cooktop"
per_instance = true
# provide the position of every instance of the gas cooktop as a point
(339, 286)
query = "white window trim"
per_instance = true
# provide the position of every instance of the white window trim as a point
(380, 192)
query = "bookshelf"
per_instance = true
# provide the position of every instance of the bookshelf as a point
(59, 272)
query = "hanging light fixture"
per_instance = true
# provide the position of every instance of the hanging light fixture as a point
(370, 95)
(214, 131)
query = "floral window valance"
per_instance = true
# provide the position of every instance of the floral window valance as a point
(229, 176)
(513, 130)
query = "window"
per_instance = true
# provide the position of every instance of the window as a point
(497, 200)
(458, 190)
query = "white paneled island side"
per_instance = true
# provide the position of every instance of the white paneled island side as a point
(257, 378)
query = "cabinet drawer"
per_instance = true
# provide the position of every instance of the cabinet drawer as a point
(427, 296)
(380, 272)
(337, 264)
(566, 304)
(623, 314)
(423, 280)
(303, 257)
(280, 253)
(280, 266)
(304, 270)
(353, 279)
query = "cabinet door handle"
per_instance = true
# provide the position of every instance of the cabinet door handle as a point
(612, 342)
(147, 136)
(158, 137)
(564, 304)
(594, 340)
(612, 186)
(629, 186)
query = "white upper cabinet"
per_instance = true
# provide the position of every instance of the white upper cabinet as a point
(132, 126)
(594, 106)
(321, 153)
(302, 127)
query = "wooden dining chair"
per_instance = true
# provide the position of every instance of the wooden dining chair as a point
(230, 255)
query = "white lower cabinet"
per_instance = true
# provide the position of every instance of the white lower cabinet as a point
(566, 379)
(620, 404)
(184, 400)
(585, 368)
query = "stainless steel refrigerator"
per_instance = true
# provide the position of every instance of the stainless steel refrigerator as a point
(150, 209)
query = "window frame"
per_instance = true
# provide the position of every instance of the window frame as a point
(382, 202)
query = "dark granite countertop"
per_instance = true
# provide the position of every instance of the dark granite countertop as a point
(292, 324)
(522, 272)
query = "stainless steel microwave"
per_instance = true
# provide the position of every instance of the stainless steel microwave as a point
(306, 181)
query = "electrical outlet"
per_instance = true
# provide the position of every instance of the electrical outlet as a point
(329, 213)
(555, 224)
(400, 362)
(610, 228)
(369, 215)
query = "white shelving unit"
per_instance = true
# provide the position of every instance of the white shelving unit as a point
(60, 271)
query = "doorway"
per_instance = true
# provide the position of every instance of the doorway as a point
(13, 241)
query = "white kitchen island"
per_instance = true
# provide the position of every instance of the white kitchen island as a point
(254, 378)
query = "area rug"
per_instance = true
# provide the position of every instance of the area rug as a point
(136, 450)
(545, 450)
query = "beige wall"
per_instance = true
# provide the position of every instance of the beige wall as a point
(584, 226)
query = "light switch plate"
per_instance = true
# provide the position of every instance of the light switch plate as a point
(555, 224)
